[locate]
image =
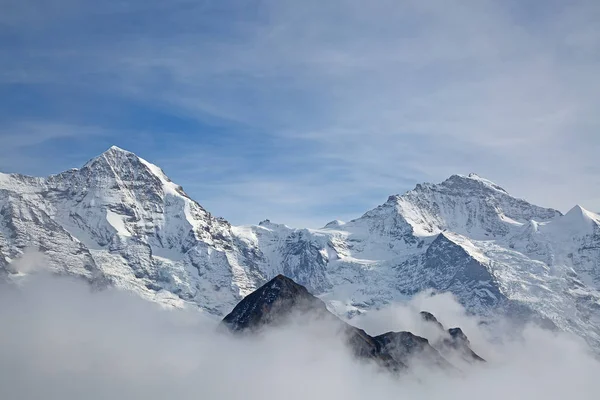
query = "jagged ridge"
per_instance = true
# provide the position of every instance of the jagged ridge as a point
(120, 219)
(282, 299)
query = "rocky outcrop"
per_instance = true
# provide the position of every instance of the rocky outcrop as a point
(282, 301)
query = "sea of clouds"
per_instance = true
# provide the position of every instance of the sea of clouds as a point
(62, 339)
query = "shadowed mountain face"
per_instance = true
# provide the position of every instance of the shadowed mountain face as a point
(429, 317)
(282, 300)
(404, 346)
(272, 303)
(458, 341)
(452, 341)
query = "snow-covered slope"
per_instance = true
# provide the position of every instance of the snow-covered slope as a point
(121, 217)
(120, 220)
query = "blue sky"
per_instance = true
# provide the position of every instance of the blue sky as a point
(306, 111)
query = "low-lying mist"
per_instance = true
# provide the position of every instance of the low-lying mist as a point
(59, 339)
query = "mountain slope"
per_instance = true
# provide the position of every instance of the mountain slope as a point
(120, 220)
(124, 217)
(281, 299)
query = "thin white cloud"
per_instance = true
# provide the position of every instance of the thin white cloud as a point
(379, 92)
(62, 340)
(16, 138)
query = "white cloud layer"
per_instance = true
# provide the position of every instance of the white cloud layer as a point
(61, 340)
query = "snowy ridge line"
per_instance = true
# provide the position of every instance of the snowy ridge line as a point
(120, 220)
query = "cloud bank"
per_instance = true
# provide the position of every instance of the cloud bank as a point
(62, 340)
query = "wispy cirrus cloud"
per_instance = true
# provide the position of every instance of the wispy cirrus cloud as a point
(22, 141)
(320, 106)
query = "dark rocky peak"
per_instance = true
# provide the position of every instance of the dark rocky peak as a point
(458, 335)
(457, 338)
(278, 300)
(429, 317)
(281, 298)
(404, 347)
(458, 341)
(452, 340)
(448, 264)
(271, 304)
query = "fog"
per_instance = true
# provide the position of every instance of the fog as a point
(60, 339)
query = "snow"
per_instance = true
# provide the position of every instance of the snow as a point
(245, 233)
(535, 227)
(335, 224)
(420, 222)
(468, 246)
(510, 220)
(167, 255)
(578, 219)
(116, 221)
(148, 237)
(169, 187)
(486, 182)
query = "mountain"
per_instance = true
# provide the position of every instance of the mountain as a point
(452, 342)
(282, 300)
(119, 220)
(122, 218)
(272, 304)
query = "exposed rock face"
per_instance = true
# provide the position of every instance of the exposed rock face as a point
(429, 317)
(450, 267)
(281, 299)
(458, 341)
(404, 347)
(452, 341)
(120, 219)
(272, 304)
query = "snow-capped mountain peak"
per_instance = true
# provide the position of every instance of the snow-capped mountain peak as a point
(123, 165)
(120, 219)
(468, 205)
(117, 149)
(336, 223)
(579, 217)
